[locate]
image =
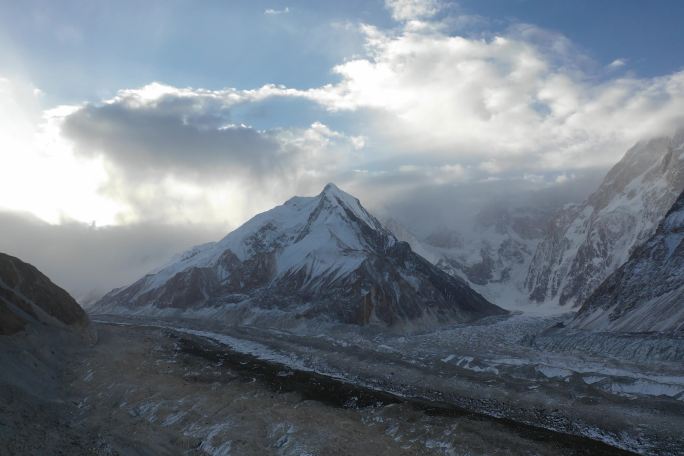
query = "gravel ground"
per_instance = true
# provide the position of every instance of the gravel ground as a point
(143, 391)
(488, 369)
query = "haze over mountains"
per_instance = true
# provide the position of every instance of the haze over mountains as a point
(494, 253)
(327, 257)
(520, 256)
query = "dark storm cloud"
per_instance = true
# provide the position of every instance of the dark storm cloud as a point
(89, 262)
(182, 136)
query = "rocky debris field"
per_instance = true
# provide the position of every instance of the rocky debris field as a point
(500, 368)
(146, 390)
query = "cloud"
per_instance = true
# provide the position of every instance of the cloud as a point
(38, 171)
(404, 10)
(276, 12)
(617, 63)
(424, 207)
(522, 102)
(423, 105)
(173, 135)
(526, 99)
(175, 154)
(436, 175)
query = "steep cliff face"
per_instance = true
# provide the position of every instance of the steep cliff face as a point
(320, 257)
(587, 242)
(647, 292)
(27, 296)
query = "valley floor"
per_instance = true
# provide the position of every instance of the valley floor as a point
(144, 389)
(628, 399)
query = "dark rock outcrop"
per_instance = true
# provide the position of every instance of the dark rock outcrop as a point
(28, 296)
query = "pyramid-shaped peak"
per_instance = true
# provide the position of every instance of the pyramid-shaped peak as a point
(334, 194)
(331, 188)
(325, 253)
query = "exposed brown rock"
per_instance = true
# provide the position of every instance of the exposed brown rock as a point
(27, 295)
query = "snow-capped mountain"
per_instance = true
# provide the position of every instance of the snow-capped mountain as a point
(323, 256)
(647, 292)
(587, 242)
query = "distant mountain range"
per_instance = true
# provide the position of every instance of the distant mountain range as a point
(322, 257)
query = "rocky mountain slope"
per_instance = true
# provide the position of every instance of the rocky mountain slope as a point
(320, 257)
(29, 297)
(40, 327)
(647, 292)
(587, 242)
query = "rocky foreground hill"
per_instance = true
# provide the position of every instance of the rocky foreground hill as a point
(41, 326)
(28, 297)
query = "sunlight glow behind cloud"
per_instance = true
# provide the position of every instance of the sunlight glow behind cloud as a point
(423, 105)
(39, 172)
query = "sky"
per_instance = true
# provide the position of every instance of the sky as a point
(142, 130)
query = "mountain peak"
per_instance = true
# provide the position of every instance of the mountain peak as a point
(322, 256)
(333, 190)
(348, 206)
(330, 186)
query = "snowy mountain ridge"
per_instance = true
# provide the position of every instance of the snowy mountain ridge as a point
(587, 242)
(291, 225)
(647, 292)
(556, 258)
(323, 256)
